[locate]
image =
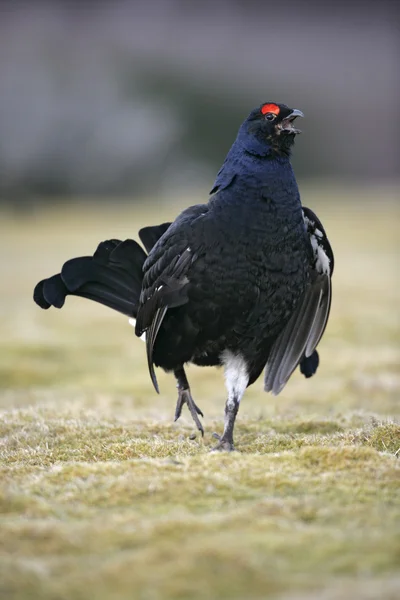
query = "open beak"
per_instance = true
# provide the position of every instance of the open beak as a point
(287, 123)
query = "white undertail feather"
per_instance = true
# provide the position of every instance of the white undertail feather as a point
(236, 375)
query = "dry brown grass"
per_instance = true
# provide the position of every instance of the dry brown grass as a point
(102, 496)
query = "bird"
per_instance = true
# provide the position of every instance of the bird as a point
(242, 282)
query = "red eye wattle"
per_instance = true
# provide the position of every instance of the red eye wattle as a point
(270, 108)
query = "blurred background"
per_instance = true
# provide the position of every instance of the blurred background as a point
(130, 98)
(116, 115)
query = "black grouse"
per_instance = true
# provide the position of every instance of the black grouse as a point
(243, 281)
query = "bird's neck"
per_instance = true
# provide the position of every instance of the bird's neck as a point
(257, 165)
(259, 185)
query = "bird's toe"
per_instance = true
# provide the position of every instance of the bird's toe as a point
(223, 444)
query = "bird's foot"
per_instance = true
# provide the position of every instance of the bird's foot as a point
(224, 445)
(185, 397)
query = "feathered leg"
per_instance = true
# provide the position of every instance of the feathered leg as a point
(185, 397)
(237, 378)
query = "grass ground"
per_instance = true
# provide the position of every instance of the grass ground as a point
(103, 497)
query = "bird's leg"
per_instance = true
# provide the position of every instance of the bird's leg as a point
(184, 396)
(236, 378)
(226, 440)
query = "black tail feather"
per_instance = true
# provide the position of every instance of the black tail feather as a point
(79, 271)
(104, 250)
(50, 292)
(107, 296)
(150, 235)
(113, 277)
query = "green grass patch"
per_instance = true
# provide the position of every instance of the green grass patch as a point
(102, 496)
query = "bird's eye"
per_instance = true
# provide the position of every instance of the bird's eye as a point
(270, 116)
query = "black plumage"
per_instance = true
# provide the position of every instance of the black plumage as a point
(112, 276)
(243, 281)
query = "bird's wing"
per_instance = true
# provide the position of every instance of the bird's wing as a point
(165, 280)
(305, 328)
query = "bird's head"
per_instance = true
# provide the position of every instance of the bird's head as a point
(270, 128)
